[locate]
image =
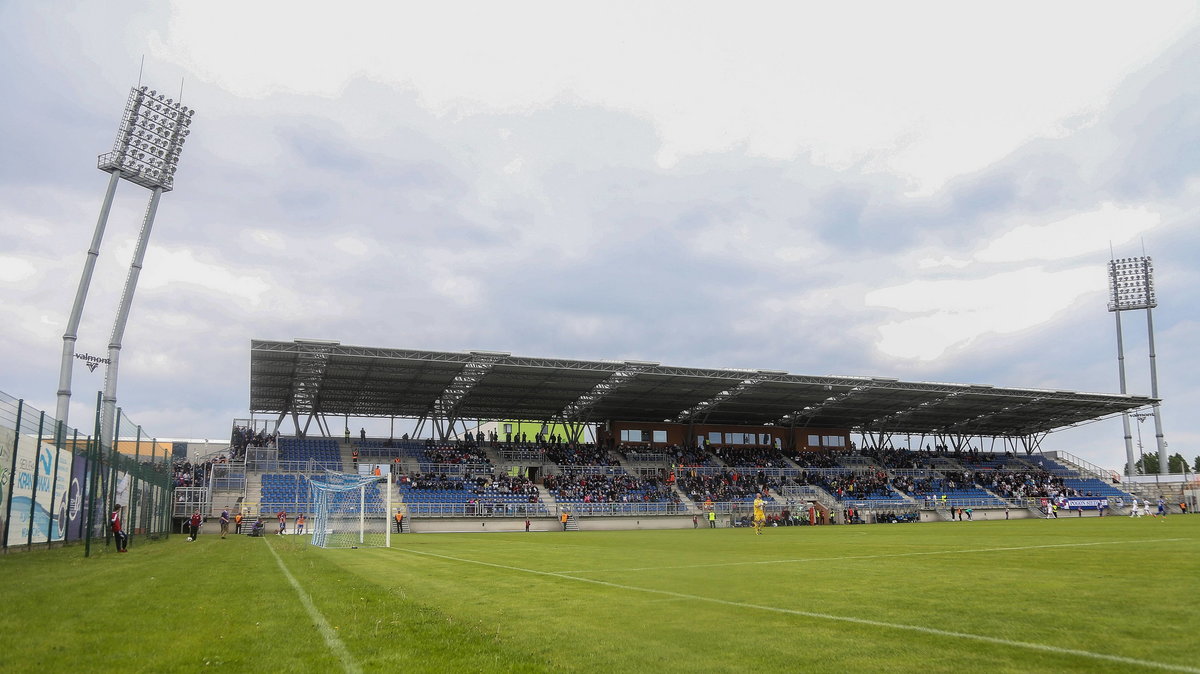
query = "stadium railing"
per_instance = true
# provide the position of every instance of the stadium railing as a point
(623, 509)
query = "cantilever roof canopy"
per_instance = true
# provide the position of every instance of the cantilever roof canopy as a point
(328, 378)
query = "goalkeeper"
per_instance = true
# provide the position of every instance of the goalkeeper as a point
(760, 517)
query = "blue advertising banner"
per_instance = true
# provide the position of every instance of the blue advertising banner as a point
(1087, 503)
(31, 502)
(75, 489)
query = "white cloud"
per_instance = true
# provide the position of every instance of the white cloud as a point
(1075, 235)
(351, 246)
(254, 239)
(780, 82)
(943, 261)
(168, 267)
(14, 269)
(952, 313)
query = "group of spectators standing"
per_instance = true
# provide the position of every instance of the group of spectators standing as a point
(244, 437)
(188, 474)
(493, 438)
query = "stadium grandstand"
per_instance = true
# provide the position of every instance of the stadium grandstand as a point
(615, 441)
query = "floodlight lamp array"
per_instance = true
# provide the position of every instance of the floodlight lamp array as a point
(1131, 284)
(149, 140)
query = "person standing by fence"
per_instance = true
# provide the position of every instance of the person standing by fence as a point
(194, 525)
(119, 536)
(224, 522)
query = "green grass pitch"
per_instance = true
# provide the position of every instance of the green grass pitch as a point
(1070, 595)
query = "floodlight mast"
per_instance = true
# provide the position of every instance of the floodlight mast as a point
(1131, 288)
(64, 374)
(146, 152)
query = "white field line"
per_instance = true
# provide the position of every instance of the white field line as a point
(331, 639)
(802, 560)
(834, 618)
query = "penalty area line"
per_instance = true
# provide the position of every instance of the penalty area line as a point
(1057, 650)
(331, 638)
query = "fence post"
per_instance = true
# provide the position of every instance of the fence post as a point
(137, 466)
(53, 500)
(112, 470)
(37, 464)
(94, 473)
(152, 516)
(166, 495)
(13, 473)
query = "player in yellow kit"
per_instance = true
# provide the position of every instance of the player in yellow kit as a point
(760, 517)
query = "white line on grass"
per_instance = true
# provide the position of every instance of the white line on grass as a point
(331, 639)
(836, 618)
(851, 557)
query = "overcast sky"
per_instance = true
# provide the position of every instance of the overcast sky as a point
(926, 191)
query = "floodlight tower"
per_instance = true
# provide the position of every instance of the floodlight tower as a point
(146, 153)
(1130, 288)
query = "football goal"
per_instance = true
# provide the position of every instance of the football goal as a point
(351, 511)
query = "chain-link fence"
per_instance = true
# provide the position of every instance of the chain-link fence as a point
(58, 485)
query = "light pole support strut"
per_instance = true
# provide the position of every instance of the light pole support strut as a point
(85, 281)
(118, 332)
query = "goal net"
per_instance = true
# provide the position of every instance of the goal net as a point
(350, 511)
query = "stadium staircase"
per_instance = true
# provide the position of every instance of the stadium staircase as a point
(810, 492)
(494, 456)
(405, 524)
(944, 463)
(687, 502)
(230, 499)
(253, 491)
(572, 522)
(1173, 493)
(855, 462)
(943, 514)
(547, 498)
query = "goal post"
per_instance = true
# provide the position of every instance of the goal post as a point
(350, 511)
